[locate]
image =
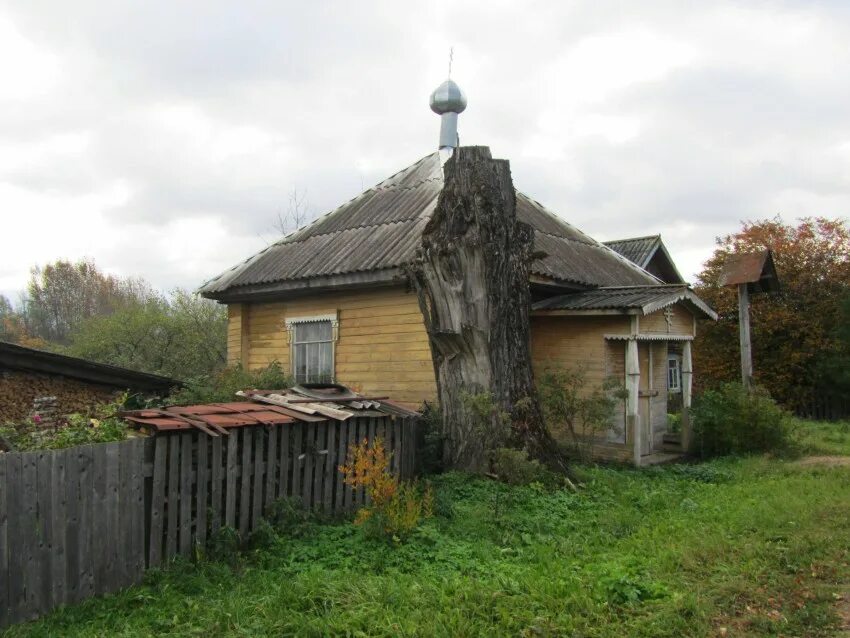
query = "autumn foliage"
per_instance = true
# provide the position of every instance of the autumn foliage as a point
(797, 334)
(395, 508)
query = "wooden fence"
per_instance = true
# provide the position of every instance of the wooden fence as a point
(89, 520)
(823, 407)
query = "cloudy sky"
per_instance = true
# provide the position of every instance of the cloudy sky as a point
(162, 138)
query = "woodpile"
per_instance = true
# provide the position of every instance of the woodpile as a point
(19, 392)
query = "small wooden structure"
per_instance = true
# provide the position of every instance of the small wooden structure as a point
(751, 273)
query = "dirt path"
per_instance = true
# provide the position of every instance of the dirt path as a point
(829, 461)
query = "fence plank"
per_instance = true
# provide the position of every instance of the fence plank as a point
(230, 478)
(16, 528)
(59, 515)
(341, 454)
(271, 466)
(39, 592)
(352, 440)
(160, 464)
(87, 525)
(185, 534)
(172, 513)
(112, 579)
(285, 461)
(330, 467)
(215, 477)
(371, 437)
(202, 490)
(297, 461)
(309, 461)
(245, 487)
(4, 543)
(71, 525)
(319, 461)
(123, 535)
(257, 500)
(137, 516)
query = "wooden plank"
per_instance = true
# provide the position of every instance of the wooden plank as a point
(4, 543)
(341, 456)
(259, 476)
(112, 549)
(172, 511)
(319, 464)
(185, 532)
(230, 480)
(309, 462)
(39, 591)
(330, 467)
(285, 465)
(16, 529)
(160, 465)
(245, 486)
(352, 441)
(85, 549)
(271, 466)
(59, 516)
(123, 566)
(215, 491)
(136, 493)
(202, 489)
(297, 461)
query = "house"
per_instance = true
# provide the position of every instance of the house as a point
(37, 381)
(331, 301)
(651, 254)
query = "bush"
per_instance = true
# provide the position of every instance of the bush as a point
(730, 420)
(396, 508)
(430, 448)
(515, 468)
(223, 385)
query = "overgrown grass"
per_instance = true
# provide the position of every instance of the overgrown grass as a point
(756, 546)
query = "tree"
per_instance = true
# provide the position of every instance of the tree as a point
(795, 332)
(297, 214)
(61, 295)
(471, 276)
(13, 327)
(183, 336)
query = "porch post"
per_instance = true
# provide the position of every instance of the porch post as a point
(687, 384)
(633, 388)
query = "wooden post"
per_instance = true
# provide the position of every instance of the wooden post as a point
(687, 385)
(633, 388)
(744, 333)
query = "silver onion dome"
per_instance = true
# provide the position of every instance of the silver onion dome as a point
(448, 98)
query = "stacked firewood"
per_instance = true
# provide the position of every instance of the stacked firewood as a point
(20, 390)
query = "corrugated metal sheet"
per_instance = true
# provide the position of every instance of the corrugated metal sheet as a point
(638, 250)
(381, 229)
(646, 299)
(755, 269)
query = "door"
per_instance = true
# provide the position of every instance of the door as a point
(645, 396)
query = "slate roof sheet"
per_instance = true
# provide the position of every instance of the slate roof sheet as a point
(638, 250)
(646, 299)
(380, 229)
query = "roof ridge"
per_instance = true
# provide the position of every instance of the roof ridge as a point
(627, 239)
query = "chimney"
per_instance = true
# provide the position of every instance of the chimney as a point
(447, 101)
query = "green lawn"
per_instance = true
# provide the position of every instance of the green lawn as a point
(757, 546)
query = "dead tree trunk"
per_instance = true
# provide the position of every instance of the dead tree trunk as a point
(471, 276)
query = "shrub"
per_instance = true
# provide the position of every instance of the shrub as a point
(516, 468)
(288, 516)
(396, 508)
(223, 385)
(575, 412)
(730, 420)
(430, 448)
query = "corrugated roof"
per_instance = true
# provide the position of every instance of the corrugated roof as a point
(381, 228)
(646, 299)
(755, 269)
(636, 249)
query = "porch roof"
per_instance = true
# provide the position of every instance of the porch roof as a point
(641, 300)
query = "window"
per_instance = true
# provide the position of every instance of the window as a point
(312, 346)
(674, 374)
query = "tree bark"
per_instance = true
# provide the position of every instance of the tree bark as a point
(471, 275)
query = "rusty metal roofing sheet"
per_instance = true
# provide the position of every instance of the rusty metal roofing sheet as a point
(381, 229)
(755, 269)
(645, 299)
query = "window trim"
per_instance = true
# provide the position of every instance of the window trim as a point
(291, 322)
(678, 359)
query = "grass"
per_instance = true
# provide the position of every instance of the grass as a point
(754, 546)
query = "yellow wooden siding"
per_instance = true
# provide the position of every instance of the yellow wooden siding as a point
(656, 323)
(382, 347)
(234, 334)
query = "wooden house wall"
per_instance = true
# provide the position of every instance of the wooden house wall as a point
(656, 323)
(382, 348)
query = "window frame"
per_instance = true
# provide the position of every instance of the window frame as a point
(678, 367)
(291, 324)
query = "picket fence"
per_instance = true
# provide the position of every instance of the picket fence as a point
(90, 520)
